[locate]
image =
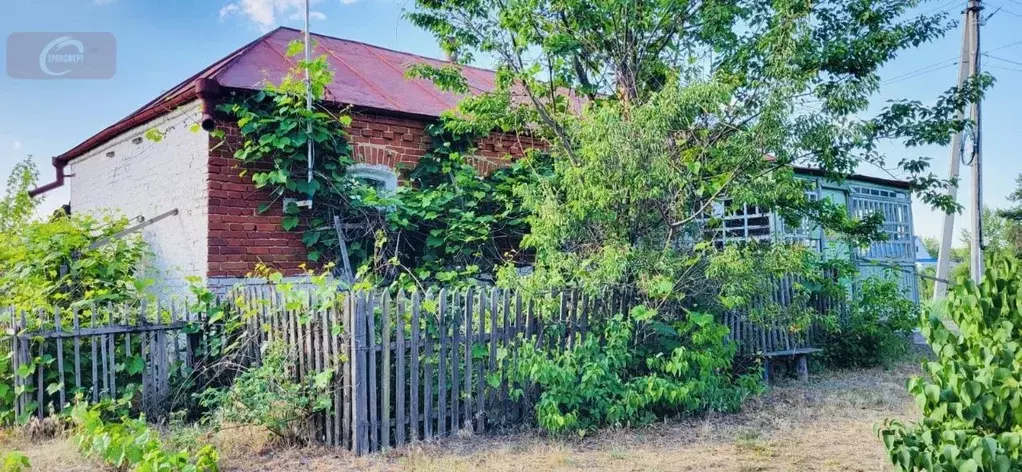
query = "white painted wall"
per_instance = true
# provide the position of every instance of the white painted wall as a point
(146, 178)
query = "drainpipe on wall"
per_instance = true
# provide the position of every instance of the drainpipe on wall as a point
(58, 165)
(208, 90)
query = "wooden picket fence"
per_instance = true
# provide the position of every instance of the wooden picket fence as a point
(97, 352)
(417, 366)
(402, 367)
(754, 339)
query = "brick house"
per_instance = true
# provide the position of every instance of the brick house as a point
(204, 215)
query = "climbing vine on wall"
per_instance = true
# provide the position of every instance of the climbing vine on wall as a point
(275, 129)
(448, 223)
(455, 223)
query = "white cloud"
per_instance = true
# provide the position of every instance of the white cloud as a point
(227, 10)
(313, 15)
(102, 2)
(268, 13)
(17, 145)
(348, 2)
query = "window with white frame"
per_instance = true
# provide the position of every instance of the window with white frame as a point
(731, 222)
(806, 231)
(380, 177)
(896, 208)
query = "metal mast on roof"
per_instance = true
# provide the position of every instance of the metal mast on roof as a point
(308, 101)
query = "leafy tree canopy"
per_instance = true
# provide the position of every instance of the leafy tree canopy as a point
(657, 112)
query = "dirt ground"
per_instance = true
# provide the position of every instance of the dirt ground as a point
(825, 425)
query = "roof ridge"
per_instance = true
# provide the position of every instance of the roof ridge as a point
(403, 53)
(231, 71)
(215, 69)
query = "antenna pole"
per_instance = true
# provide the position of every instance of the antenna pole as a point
(308, 96)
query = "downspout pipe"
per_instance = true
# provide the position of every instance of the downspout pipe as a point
(59, 165)
(206, 90)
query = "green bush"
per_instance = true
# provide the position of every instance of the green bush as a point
(15, 461)
(972, 401)
(644, 370)
(129, 444)
(876, 330)
(268, 396)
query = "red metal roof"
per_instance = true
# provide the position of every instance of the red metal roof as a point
(364, 76)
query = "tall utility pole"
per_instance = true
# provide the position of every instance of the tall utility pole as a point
(976, 158)
(968, 67)
(948, 233)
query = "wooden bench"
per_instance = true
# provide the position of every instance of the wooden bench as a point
(800, 356)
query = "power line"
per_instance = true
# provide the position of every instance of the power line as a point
(1004, 68)
(942, 64)
(943, 7)
(991, 56)
(922, 71)
(1002, 47)
(1009, 12)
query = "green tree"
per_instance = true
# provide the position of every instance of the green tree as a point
(1015, 212)
(1014, 215)
(999, 236)
(16, 207)
(659, 112)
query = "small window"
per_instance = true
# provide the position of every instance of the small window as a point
(380, 177)
(727, 221)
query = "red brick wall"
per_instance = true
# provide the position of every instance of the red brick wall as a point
(240, 237)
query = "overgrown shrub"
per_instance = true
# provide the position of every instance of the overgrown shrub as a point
(972, 419)
(875, 332)
(268, 396)
(15, 461)
(643, 370)
(129, 444)
(71, 260)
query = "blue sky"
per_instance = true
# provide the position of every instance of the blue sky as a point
(161, 43)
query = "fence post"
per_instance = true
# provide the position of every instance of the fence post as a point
(16, 358)
(356, 314)
(385, 374)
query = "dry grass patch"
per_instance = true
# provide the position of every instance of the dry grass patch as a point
(47, 454)
(826, 425)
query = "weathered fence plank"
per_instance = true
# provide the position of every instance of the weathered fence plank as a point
(374, 412)
(444, 326)
(360, 375)
(427, 377)
(78, 349)
(469, 343)
(60, 357)
(95, 355)
(399, 431)
(414, 366)
(456, 348)
(16, 362)
(385, 393)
